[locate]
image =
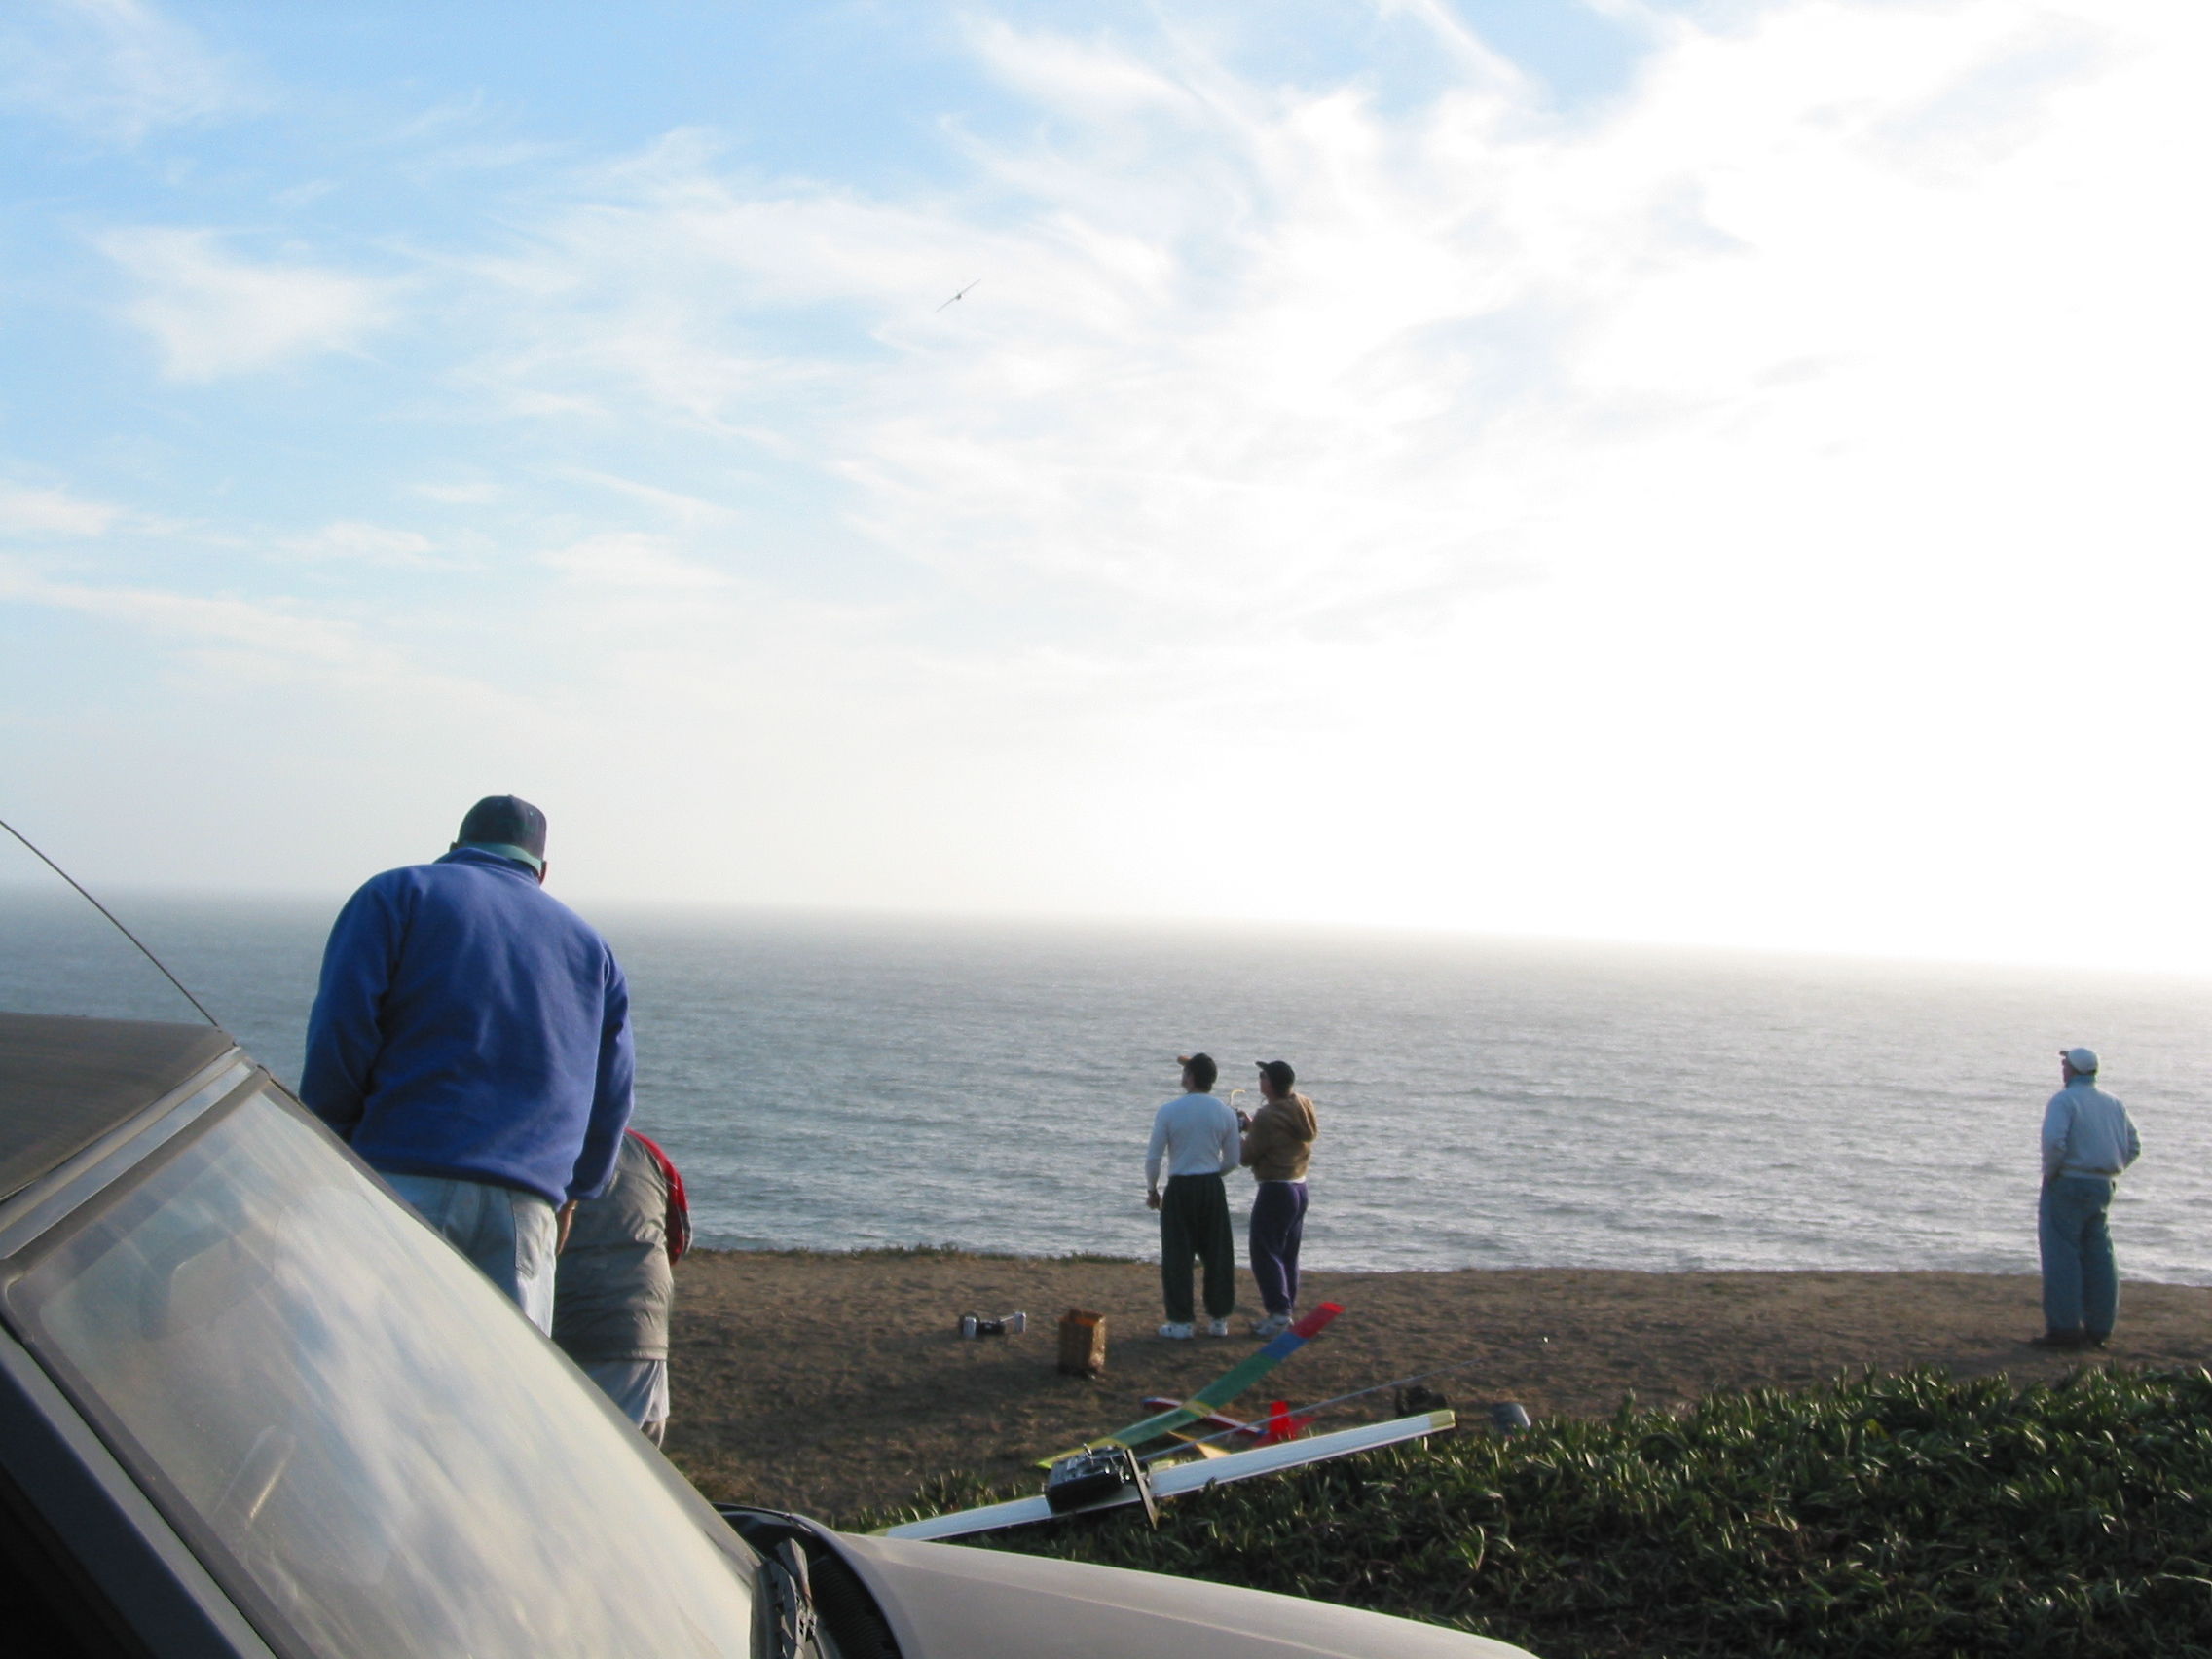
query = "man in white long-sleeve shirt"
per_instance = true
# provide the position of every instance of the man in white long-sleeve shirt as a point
(1196, 1136)
(2087, 1140)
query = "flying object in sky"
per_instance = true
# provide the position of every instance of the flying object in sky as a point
(978, 283)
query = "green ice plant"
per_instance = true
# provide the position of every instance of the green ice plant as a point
(1905, 1514)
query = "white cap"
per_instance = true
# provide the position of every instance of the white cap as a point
(2082, 1060)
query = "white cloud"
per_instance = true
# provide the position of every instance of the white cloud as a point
(369, 543)
(480, 493)
(1281, 354)
(53, 512)
(208, 620)
(630, 564)
(684, 509)
(277, 630)
(116, 66)
(213, 313)
(261, 644)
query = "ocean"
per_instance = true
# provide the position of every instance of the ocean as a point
(832, 1083)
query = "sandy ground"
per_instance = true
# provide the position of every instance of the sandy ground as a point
(826, 1382)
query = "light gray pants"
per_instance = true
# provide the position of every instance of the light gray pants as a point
(510, 1235)
(640, 1387)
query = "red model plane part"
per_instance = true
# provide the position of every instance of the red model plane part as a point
(1209, 1430)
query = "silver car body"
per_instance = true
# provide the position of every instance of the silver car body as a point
(946, 1599)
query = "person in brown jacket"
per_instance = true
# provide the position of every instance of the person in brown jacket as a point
(1278, 1140)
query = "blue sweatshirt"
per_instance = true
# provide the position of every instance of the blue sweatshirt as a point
(469, 1025)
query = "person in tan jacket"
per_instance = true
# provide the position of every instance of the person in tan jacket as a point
(1278, 1140)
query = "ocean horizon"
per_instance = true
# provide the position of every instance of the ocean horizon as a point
(838, 1081)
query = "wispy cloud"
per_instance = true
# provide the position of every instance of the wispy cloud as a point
(53, 512)
(479, 492)
(265, 642)
(633, 564)
(117, 67)
(278, 630)
(352, 540)
(1281, 353)
(213, 313)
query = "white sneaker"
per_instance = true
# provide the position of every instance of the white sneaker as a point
(1177, 1333)
(1274, 1325)
(1217, 1327)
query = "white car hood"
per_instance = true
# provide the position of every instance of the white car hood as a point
(949, 1601)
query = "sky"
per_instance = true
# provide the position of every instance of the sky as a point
(1727, 474)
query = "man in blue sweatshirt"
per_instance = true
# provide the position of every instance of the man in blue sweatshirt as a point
(471, 1040)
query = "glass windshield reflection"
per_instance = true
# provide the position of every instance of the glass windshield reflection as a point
(382, 1447)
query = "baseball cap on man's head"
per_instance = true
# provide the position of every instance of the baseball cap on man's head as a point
(504, 820)
(1279, 1072)
(2082, 1060)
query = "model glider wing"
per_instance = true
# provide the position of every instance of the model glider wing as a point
(1188, 1477)
(1221, 1390)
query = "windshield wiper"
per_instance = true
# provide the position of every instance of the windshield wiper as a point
(798, 1632)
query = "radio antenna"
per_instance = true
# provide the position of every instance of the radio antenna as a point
(119, 927)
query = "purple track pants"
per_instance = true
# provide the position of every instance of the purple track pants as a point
(1278, 1223)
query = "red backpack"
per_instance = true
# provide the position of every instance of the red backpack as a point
(678, 1207)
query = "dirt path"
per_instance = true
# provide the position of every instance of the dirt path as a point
(826, 1383)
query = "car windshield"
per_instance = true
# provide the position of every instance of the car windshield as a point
(377, 1454)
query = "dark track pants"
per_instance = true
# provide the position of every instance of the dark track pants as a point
(1278, 1223)
(1194, 1221)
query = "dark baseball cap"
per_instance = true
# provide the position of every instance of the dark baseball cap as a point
(504, 820)
(1279, 1072)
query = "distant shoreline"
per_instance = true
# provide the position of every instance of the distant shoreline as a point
(831, 1380)
(959, 1253)
(612, 910)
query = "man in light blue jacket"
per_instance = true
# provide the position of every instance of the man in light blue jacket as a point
(2087, 1140)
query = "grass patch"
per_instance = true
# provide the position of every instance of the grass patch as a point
(1883, 1515)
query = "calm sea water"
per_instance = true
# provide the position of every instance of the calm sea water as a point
(835, 1083)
